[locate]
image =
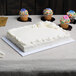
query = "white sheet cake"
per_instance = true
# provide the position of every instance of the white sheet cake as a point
(37, 35)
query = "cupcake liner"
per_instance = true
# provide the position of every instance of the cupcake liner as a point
(65, 26)
(29, 19)
(69, 28)
(43, 19)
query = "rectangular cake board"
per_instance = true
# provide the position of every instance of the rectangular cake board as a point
(37, 50)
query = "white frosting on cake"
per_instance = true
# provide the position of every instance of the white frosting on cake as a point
(36, 34)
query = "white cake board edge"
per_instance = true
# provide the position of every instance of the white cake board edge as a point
(37, 50)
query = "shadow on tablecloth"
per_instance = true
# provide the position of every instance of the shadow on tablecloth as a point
(38, 73)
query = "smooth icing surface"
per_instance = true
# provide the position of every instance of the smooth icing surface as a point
(71, 14)
(65, 20)
(23, 12)
(36, 34)
(47, 11)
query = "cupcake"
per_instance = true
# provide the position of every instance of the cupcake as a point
(48, 14)
(23, 14)
(71, 14)
(64, 22)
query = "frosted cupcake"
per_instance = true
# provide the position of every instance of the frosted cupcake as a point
(71, 14)
(23, 14)
(64, 22)
(48, 14)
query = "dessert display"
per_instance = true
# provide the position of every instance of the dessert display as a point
(31, 37)
(64, 22)
(24, 14)
(72, 16)
(48, 13)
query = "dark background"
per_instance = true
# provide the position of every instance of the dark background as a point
(12, 7)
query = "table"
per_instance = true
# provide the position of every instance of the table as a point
(62, 58)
